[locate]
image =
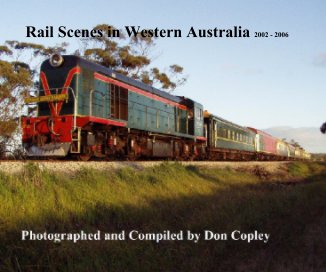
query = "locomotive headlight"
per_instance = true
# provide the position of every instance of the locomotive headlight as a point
(56, 60)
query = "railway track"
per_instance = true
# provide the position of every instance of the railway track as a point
(15, 166)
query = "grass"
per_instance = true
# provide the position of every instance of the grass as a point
(165, 197)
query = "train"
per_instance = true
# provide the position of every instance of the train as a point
(85, 110)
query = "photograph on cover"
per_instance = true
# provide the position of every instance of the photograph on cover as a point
(162, 135)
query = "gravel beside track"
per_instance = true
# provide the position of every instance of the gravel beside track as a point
(72, 166)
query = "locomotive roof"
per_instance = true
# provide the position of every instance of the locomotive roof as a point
(71, 60)
(209, 115)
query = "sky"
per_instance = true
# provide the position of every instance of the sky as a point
(257, 82)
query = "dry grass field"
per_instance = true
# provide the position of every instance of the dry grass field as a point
(286, 201)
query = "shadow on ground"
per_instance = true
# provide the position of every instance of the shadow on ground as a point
(294, 216)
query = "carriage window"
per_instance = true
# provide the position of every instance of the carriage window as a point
(220, 132)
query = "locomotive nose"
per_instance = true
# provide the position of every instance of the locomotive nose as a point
(56, 60)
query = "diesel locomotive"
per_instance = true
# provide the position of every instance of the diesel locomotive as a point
(85, 110)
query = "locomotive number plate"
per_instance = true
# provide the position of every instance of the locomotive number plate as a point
(46, 98)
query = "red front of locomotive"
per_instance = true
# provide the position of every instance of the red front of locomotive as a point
(51, 133)
(47, 136)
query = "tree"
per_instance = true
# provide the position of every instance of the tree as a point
(323, 128)
(17, 77)
(131, 57)
(295, 143)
